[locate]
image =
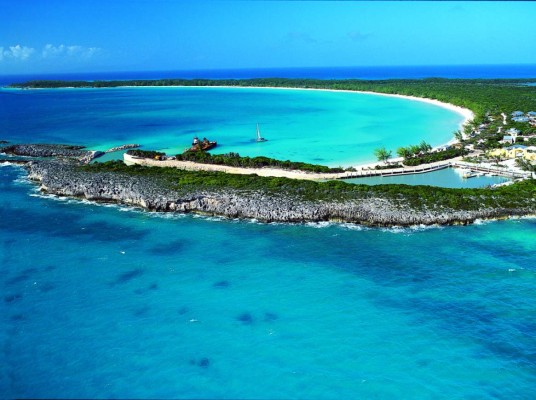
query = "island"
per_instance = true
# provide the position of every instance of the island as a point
(313, 193)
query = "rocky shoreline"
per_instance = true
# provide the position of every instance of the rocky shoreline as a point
(60, 150)
(45, 150)
(65, 178)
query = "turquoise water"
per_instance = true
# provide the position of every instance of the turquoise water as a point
(312, 126)
(447, 177)
(99, 301)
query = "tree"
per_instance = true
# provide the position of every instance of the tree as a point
(414, 149)
(459, 136)
(382, 154)
(425, 147)
(403, 152)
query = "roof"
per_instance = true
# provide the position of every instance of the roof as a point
(517, 146)
(516, 113)
(532, 113)
(520, 119)
(507, 137)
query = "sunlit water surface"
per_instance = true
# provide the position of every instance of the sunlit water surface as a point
(102, 301)
(331, 128)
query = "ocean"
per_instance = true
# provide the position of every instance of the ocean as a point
(329, 128)
(105, 301)
(109, 302)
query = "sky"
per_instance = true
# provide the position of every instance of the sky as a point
(59, 36)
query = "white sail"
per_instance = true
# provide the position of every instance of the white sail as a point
(259, 138)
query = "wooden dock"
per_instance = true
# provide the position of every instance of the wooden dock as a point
(489, 170)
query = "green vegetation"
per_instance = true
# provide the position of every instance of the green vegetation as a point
(388, 166)
(235, 160)
(146, 153)
(414, 150)
(525, 165)
(520, 194)
(382, 154)
(434, 157)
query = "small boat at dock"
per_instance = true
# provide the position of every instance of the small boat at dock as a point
(469, 174)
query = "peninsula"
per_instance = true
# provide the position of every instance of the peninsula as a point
(276, 198)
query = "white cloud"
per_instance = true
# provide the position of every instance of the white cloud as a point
(17, 52)
(62, 50)
(48, 52)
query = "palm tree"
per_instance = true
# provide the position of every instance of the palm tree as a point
(403, 152)
(425, 147)
(382, 154)
(415, 149)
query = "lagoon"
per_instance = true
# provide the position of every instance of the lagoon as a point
(330, 128)
(448, 177)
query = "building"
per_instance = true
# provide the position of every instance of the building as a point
(516, 151)
(507, 139)
(513, 131)
(520, 119)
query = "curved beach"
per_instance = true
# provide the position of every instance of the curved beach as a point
(467, 114)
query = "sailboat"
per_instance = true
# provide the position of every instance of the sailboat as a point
(259, 137)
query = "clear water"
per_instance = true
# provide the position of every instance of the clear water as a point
(108, 302)
(312, 126)
(447, 177)
(101, 302)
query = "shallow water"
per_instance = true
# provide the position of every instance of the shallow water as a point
(311, 126)
(102, 301)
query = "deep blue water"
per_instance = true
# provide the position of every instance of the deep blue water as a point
(103, 302)
(374, 73)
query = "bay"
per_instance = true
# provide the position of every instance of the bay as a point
(329, 128)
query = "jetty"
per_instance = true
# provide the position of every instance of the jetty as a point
(359, 172)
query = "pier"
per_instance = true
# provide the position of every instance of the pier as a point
(421, 169)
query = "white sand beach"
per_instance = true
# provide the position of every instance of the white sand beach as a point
(467, 114)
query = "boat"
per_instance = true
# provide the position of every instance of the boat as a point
(469, 174)
(203, 145)
(259, 137)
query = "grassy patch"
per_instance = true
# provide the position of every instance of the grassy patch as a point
(521, 194)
